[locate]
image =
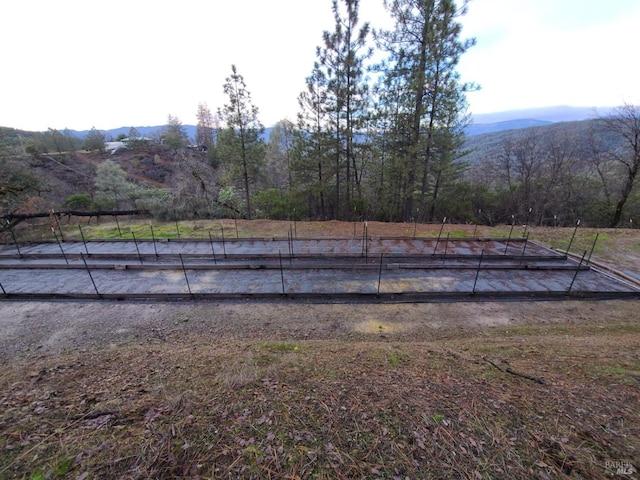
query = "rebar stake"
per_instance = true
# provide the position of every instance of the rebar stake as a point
(478, 271)
(213, 251)
(184, 270)
(59, 245)
(153, 238)
(576, 274)
(136, 244)
(90, 276)
(380, 272)
(83, 239)
(573, 236)
(281, 271)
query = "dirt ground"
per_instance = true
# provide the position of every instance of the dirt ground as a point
(49, 328)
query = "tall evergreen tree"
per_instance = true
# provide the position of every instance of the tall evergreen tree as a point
(424, 49)
(312, 143)
(342, 58)
(241, 144)
(205, 130)
(174, 134)
(94, 140)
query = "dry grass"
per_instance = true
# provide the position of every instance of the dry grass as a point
(196, 408)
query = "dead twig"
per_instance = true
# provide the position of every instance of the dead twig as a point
(513, 372)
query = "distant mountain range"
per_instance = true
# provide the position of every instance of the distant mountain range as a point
(482, 123)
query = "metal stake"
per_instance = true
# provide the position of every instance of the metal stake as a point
(478, 271)
(446, 245)
(526, 223)
(3, 290)
(153, 238)
(576, 274)
(55, 217)
(90, 276)
(439, 234)
(281, 271)
(573, 236)
(295, 225)
(14, 238)
(83, 239)
(526, 240)
(513, 221)
(212, 249)
(366, 241)
(175, 218)
(475, 228)
(136, 244)
(184, 270)
(224, 249)
(59, 245)
(118, 225)
(235, 219)
(415, 223)
(380, 272)
(592, 248)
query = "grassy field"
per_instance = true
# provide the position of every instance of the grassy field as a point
(552, 391)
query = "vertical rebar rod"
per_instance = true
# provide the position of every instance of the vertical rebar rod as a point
(295, 224)
(235, 219)
(13, 235)
(213, 251)
(380, 272)
(281, 272)
(435, 248)
(446, 246)
(593, 247)
(366, 241)
(175, 219)
(224, 248)
(55, 217)
(573, 236)
(136, 244)
(291, 242)
(153, 238)
(3, 290)
(84, 240)
(118, 225)
(475, 228)
(364, 235)
(576, 274)
(184, 270)
(526, 240)
(513, 222)
(526, 223)
(475, 282)
(59, 245)
(84, 260)
(355, 220)
(415, 223)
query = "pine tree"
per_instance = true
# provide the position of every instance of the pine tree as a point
(241, 143)
(342, 59)
(312, 143)
(424, 50)
(205, 130)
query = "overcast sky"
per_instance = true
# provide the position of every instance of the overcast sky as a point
(78, 64)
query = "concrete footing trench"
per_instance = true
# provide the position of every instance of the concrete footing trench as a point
(324, 269)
